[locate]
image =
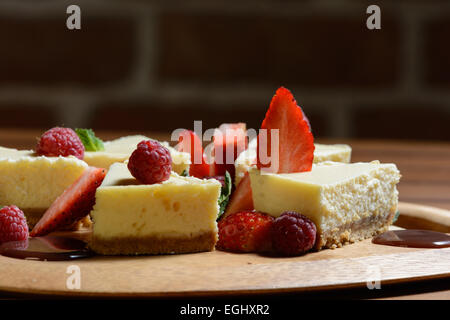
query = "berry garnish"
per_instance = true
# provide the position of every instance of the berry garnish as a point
(230, 139)
(293, 234)
(73, 205)
(189, 142)
(245, 231)
(296, 142)
(13, 224)
(60, 142)
(151, 162)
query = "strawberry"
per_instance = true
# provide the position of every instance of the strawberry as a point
(229, 141)
(75, 203)
(245, 231)
(296, 142)
(189, 142)
(241, 199)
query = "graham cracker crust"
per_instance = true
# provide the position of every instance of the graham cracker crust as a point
(356, 231)
(153, 244)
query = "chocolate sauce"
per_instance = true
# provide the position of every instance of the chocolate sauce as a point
(413, 239)
(47, 248)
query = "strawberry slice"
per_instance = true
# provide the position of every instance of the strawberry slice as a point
(296, 142)
(189, 142)
(241, 198)
(74, 204)
(229, 141)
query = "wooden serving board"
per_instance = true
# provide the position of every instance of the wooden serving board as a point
(222, 273)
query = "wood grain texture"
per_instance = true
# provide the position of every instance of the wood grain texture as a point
(221, 273)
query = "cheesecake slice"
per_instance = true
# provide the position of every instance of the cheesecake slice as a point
(322, 153)
(347, 202)
(175, 216)
(34, 182)
(120, 149)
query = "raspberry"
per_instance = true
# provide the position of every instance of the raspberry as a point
(13, 224)
(151, 162)
(60, 142)
(245, 231)
(293, 234)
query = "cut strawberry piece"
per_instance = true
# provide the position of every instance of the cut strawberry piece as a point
(74, 204)
(245, 231)
(189, 142)
(229, 141)
(296, 142)
(241, 198)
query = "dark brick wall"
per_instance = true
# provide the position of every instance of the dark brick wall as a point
(159, 65)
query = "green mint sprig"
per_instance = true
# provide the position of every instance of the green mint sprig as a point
(89, 140)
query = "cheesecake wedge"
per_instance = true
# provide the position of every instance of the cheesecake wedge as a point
(34, 182)
(175, 216)
(347, 202)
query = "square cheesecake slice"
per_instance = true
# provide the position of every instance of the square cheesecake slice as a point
(347, 202)
(323, 152)
(175, 216)
(119, 150)
(34, 182)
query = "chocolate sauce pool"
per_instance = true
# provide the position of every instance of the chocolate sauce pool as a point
(47, 248)
(412, 238)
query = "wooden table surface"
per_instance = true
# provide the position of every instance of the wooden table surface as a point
(425, 169)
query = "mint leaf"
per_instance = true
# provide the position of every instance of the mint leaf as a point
(89, 140)
(185, 173)
(224, 195)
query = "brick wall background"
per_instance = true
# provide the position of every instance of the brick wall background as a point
(160, 65)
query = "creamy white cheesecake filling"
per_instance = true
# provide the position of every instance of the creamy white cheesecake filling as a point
(331, 196)
(119, 150)
(178, 207)
(34, 182)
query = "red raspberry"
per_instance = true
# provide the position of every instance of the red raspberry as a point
(150, 163)
(60, 142)
(13, 224)
(245, 231)
(293, 234)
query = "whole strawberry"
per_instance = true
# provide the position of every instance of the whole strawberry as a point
(151, 162)
(13, 224)
(245, 231)
(293, 234)
(60, 142)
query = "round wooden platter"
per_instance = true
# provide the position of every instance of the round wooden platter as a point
(220, 273)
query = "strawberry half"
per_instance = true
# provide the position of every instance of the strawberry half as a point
(74, 204)
(241, 198)
(229, 141)
(296, 142)
(189, 142)
(245, 231)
